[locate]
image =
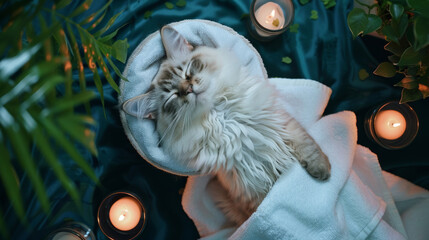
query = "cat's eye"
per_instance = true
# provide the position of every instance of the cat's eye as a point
(180, 68)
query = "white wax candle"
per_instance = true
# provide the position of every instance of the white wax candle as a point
(389, 124)
(125, 213)
(270, 15)
(65, 236)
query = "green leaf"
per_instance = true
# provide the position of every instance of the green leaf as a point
(314, 15)
(64, 50)
(294, 28)
(4, 232)
(408, 83)
(78, 62)
(10, 182)
(169, 5)
(390, 33)
(181, 3)
(106, 39)
(385, 69)
(363, 74)
(393, 59)
(394, 48)
(59, 137)
(62, 4)
(97, 22)
(147, 14)
(98, 57)
(116, 69)
(421, 32)
(329, 3)
(357, 20)
(68, 102)
(420, 6)
(82, 8)
(410, 95)
(92, 64)
(287, 60)
(46, 149)
(108, 25)
(400, 26)
(396, 10)
(303, 2)
(120, 48)
(94, 15)
(24, 80)
(21, 148)
(10, 66)
(74, 126)
(39, 94)
(410, 57)
(374, 23)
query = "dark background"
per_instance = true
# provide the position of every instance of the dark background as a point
(322, 49)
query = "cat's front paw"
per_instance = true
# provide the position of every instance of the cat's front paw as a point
(318, 167)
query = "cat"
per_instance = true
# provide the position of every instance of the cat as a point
(211, 113)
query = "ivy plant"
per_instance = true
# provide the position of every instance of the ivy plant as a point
(403, 24)
(40, 48)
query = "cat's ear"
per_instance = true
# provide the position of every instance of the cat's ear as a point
(141, 106)
(176, 46)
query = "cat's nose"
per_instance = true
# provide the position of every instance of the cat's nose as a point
(185, 88)
(189, 89)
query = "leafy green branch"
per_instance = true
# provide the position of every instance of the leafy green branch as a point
(402, 23)
(40, 48)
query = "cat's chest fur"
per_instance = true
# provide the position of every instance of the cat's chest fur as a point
(242, 140)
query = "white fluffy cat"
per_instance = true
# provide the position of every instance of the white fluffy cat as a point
(210, 113)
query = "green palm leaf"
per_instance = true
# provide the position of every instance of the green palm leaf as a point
(40, 48)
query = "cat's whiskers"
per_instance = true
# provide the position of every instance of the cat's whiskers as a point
(173, 123)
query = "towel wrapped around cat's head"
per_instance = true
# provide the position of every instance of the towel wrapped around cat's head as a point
(186, 63)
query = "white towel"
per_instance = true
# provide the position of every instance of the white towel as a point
(355, 203)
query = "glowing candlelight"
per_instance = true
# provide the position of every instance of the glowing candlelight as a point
(125, 213)
(270, 15)
(389, 124)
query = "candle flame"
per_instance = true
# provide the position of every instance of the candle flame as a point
(396, 124)
(273, 13)
(122, 217)
(269, 18)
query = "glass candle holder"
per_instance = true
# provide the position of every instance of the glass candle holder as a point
(392, 125)
(121, 216)
(270, 18)
(72, 231)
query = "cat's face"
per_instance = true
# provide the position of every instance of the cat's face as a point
(185, 85)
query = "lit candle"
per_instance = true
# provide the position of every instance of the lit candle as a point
(65, 236)
(270, 15)
(125, 213)
(389, 124)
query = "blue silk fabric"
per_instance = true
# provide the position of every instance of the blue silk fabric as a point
(322, 49)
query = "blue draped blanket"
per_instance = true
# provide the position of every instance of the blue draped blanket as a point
(320, 49)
